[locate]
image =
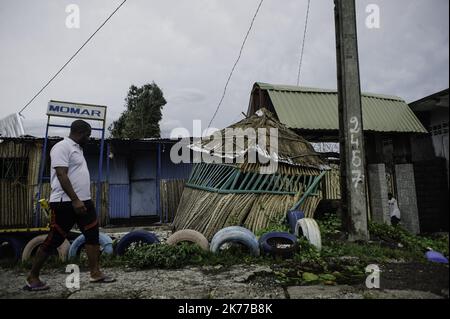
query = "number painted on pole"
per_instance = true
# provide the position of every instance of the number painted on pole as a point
(357, 177)
(355, 122)
(356, 161)
(354, 140)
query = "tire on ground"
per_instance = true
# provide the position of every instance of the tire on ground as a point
(189, 235)
(292, 217)
(76, 246)
(235, 234)
(268, 244)
(308, 227)
(32, 246)
(136, 236)
(15, 244)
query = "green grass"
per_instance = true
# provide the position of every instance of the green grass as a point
(273, 226)
(412, 243)
(383, 248)
(165, 256)
(308, 266)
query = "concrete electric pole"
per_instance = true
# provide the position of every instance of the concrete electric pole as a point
(351, 137)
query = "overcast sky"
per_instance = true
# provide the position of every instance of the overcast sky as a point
(189, 46)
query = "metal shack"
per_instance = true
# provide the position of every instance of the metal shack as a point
(139, 184)
(389, 124)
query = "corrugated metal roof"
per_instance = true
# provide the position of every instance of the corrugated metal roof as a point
(317, 109)
(438, 100)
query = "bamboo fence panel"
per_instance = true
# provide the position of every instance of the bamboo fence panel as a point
(170, 195)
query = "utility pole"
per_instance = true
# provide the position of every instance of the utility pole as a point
(351, 136)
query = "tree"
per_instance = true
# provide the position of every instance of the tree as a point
(142, 115)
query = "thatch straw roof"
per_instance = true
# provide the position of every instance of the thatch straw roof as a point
(254, 202)
(292, 149)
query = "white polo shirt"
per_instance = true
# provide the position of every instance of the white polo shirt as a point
(67, 153)
(393, 208)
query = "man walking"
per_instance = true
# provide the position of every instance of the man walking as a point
(70, 203)
(394, 211)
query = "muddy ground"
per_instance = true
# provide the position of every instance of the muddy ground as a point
(398, 281)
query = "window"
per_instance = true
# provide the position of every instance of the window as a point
(14, 168)
(445, 128)
(387, 141)
(439, 129)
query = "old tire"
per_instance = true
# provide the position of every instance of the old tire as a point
(235, 234)
(292, 217)
(15, 246)
(189, 235)
(308, 227)
(137, 236)
(104, 240)
(269, 241)
(31, 248)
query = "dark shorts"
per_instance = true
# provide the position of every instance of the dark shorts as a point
(63, 218)
(395, 220)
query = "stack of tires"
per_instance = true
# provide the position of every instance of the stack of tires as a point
(276, 244)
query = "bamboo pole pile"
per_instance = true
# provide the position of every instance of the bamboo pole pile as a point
(267, 209)
(208, 212)
(332, 188)
(16, 165)
(170, 195)
(310, 204)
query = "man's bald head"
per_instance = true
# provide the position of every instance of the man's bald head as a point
(80, 131)
(79, 127)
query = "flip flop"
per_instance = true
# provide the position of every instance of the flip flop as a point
(104, 279)
(39, 286)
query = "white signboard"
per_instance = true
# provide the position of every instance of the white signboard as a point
(76, 110)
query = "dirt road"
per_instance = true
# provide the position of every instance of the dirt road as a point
(239, 282)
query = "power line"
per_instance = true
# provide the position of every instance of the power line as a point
(303, 44)
(235, 63)
(71, 58)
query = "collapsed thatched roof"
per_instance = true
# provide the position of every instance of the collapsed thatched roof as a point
(289, 148)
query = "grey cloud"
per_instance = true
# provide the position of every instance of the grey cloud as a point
(189, 47)
(187, 95)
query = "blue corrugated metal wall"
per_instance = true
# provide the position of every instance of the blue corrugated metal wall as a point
(119, 188)
(143, 183)
(169, 170)
(119, 201)
(92, 162)
(134, 182)
(118, 170)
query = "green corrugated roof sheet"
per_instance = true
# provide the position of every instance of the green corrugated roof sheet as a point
(310, 108)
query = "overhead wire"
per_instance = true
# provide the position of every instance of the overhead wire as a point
(70, 59)
(303, 43)
(235, 63)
